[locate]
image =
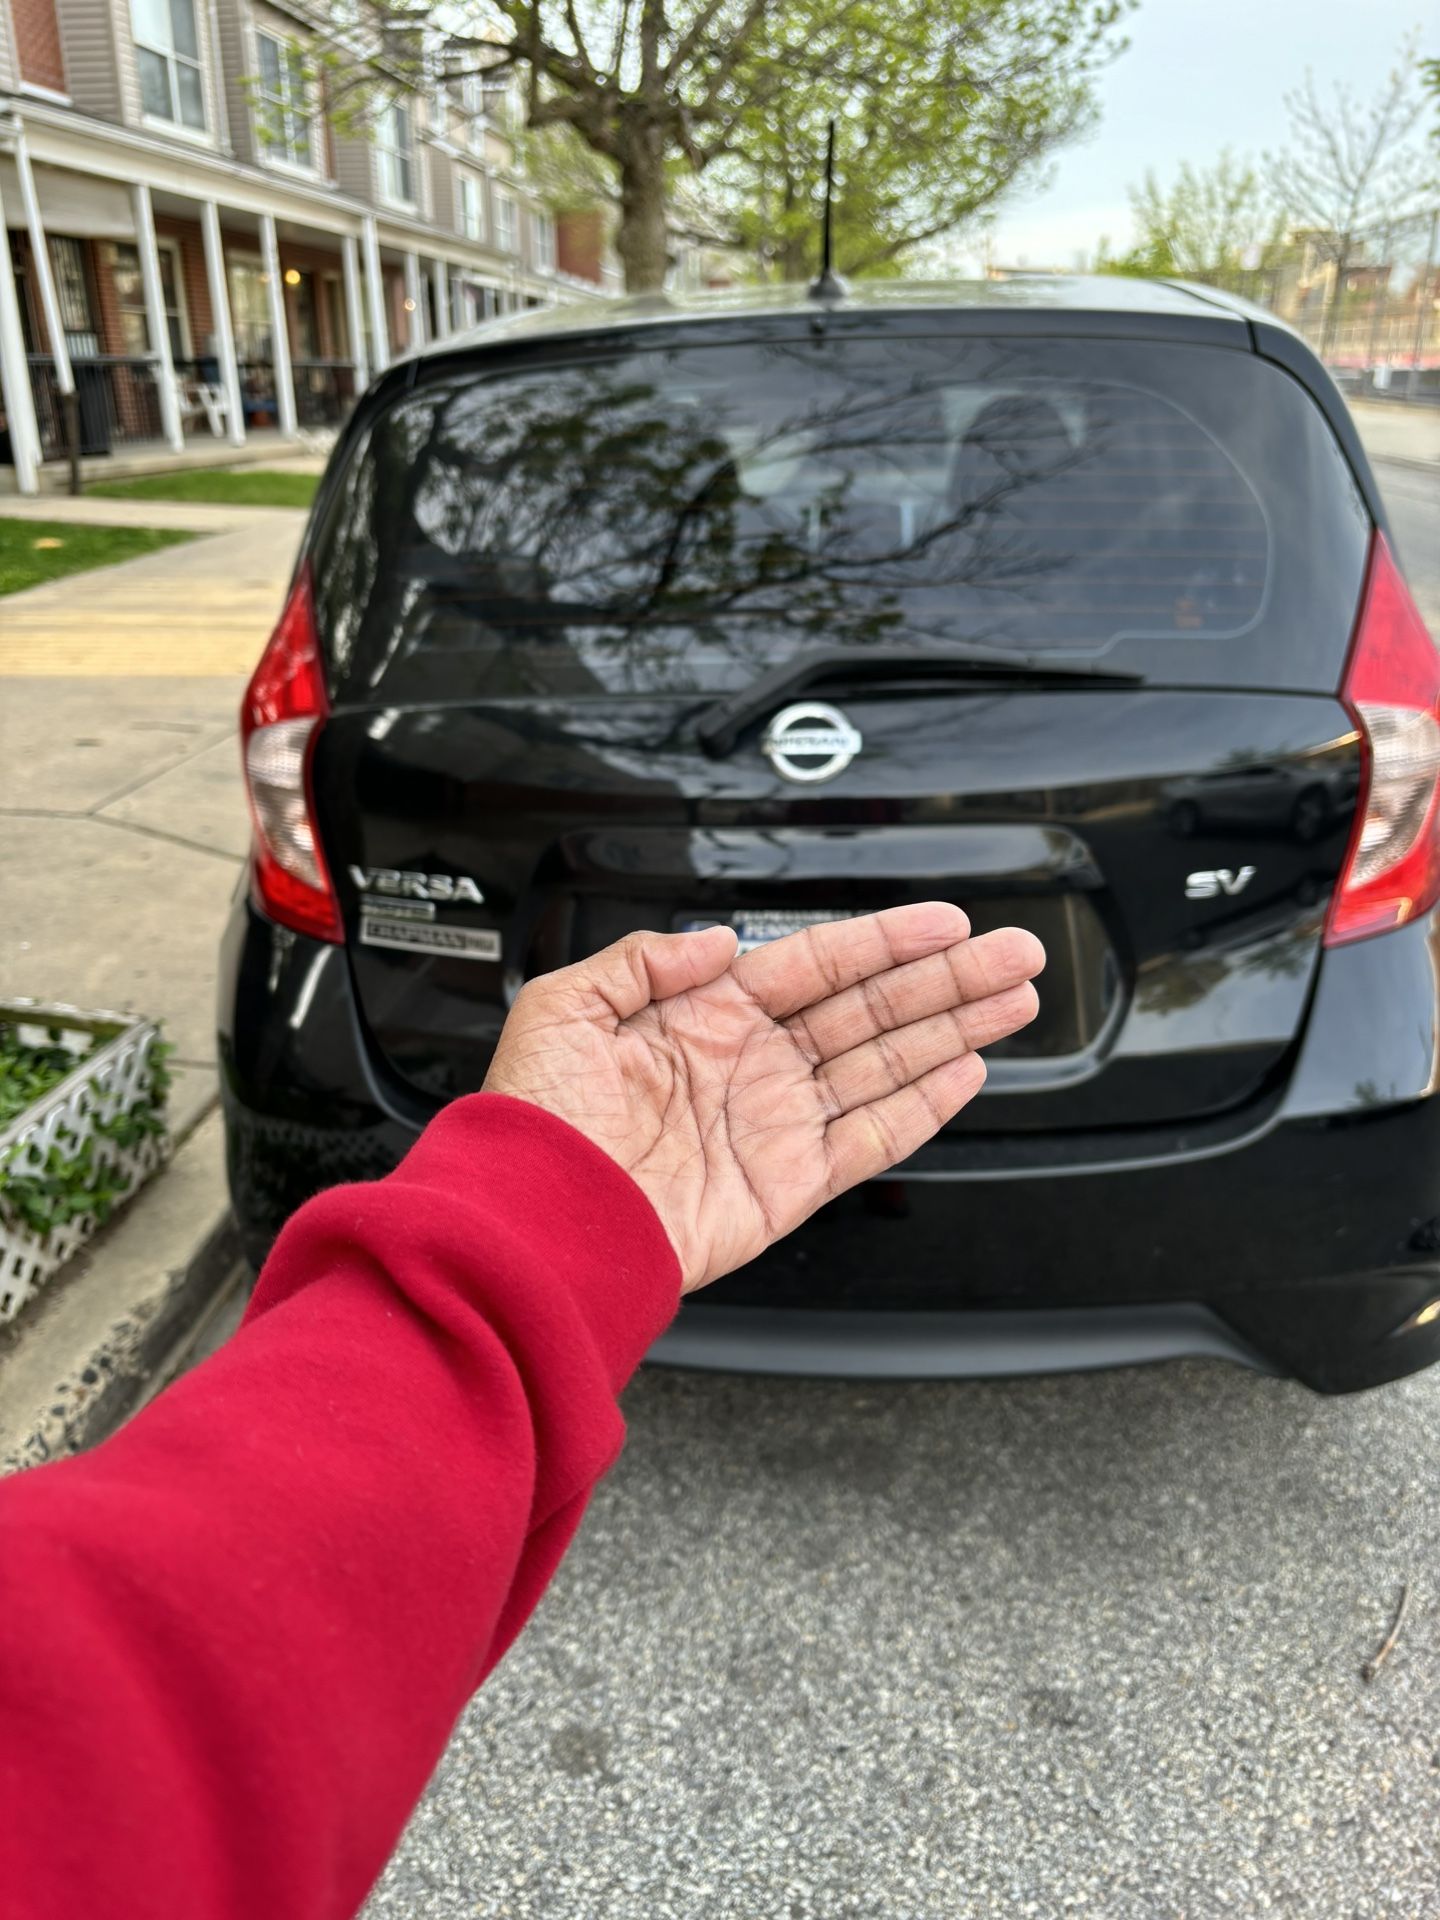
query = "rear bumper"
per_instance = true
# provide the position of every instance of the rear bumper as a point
(1306, 1234)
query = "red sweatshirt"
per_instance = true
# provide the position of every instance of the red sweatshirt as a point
(234, 1639)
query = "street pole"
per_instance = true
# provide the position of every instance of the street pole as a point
(1375, 302)
(1331, 315)
(1422, 304)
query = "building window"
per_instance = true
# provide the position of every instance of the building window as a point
(284, 99)
(472, 207)
(504, 223)
(542, 229)
(167, 53)
(129, 284)
(393, 148)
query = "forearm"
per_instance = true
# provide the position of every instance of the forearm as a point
(238, 1634)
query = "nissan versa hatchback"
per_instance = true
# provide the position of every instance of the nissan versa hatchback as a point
(1070, 601)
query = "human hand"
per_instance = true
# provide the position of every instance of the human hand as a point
(741, 1094)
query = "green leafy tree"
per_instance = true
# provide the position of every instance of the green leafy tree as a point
(1218, 224)
(1430, 81)
(943, 105)
(941, 109)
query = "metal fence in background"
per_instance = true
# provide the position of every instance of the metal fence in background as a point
(1368, 303)
(119, 404)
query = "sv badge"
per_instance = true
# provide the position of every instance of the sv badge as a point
(1210, 883)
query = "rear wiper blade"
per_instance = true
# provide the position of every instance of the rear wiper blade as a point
(722, 723)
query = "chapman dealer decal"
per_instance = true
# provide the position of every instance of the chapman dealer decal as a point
(380, 927)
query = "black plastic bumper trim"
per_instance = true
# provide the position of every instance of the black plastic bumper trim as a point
(833, 1343)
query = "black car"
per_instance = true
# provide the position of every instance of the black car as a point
(1068, 600)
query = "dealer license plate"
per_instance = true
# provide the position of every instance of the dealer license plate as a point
(760, 928)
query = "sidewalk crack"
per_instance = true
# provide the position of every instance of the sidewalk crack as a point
(144, 779)
(122, 826)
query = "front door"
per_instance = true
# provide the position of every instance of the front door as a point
(306, 317)
(129, 283)
(250, 316)
(75, 295)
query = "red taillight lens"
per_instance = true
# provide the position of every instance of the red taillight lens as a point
(283, 709)
(1392, 689)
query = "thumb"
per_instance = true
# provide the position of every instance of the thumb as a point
(655, 966)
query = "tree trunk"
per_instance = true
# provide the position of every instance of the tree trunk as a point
(793, 256)
(1332, 312)
(642, 240)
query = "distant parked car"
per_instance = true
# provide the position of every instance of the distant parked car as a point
(1260, 794)
(1068, 600)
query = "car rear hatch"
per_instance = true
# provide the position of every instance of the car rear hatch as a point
(684, 632)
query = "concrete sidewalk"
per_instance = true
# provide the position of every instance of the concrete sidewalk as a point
(1392, 430)
(199, 609)
(122, 817)
(97, 510)
(123, 831)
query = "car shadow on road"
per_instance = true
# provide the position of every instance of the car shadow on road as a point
(1098, 1474)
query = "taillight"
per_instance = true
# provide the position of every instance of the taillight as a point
(283, 709)
(1392, 690)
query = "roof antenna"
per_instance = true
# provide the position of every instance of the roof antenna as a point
(828, 285)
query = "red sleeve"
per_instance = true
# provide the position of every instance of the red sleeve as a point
(235, 1638)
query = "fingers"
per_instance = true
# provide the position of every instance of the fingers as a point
(892, 1060)
(876, 1137)
(649, 966)
(817, 962)
(967, 972)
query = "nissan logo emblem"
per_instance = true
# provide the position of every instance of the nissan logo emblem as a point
(810, 741)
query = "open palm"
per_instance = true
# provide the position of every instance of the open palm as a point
(741, 1094)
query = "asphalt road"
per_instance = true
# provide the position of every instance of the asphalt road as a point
(830, 1651)
(836, 1652)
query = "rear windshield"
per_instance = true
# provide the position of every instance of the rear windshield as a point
(679, 518)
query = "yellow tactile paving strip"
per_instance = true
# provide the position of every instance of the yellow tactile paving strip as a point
(205, 608)
(114, 644)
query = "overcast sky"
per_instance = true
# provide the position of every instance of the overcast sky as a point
(1199, 75)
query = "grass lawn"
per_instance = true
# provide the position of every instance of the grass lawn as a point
(33, 551)
(227, 486)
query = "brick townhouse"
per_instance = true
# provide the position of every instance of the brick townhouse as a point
(189, 245)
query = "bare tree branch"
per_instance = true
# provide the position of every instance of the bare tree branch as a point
(1354, 166)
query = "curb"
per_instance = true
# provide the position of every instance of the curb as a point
(138, 1301)
(1415, 465)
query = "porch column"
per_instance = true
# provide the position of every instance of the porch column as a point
(279, 328)
(15, 378)
(440, 280)
(375, 289)
(354, 318)
(413, 293)
(44, 275)
(224, 328)
(155, 320)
